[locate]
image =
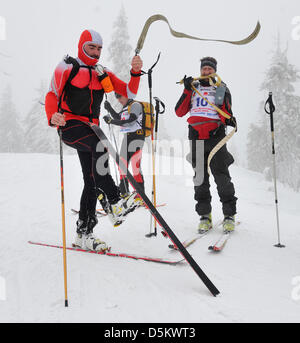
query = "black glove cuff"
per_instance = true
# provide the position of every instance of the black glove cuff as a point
(137, 75)
(102, 77)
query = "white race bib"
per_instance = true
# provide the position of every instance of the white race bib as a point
(131, 127)
(200, 107)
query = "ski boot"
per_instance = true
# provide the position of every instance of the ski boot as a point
(122, 208)
(103, 201)
(81, 229)
(117, 213)
(91, 242)
(118, 210)
(94, 244)
(205, 224)
(139, 201)
(124, 195)
(85, 238)
(229, 224)
(129, 203)
(114, 212)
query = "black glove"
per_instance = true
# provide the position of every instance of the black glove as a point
(188, 82)
(107, 119)
(231, 122)
(107, 106)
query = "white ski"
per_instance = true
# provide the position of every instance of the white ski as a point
(192, 240)
(221, 242)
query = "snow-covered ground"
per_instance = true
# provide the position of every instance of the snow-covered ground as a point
(255, 279)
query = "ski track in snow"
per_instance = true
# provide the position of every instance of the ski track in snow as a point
(255, 279)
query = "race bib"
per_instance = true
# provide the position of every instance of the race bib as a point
(200, 107)
(132, 127)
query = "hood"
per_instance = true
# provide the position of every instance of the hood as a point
(88, 36)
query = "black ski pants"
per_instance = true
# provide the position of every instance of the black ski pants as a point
(81, 137)
(220, 170)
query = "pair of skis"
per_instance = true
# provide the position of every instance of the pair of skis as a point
(217, 246)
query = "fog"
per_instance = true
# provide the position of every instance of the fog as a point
(40, 33)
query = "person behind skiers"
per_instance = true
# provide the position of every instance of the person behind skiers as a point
(130, 120)
(76, 92)
(208, 126)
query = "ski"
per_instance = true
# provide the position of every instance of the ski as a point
(113, 254)
(166, 229)
(190, 241)
(221, 242)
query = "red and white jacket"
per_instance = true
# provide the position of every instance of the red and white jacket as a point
(207, 121)
(85, 85)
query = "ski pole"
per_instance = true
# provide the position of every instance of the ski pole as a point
(154, 149)
(63, 217)
(151, 234)
(112, 137)
(271, 112)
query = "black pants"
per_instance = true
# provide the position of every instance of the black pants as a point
(131, 151)
(81, 137)
(220, 169)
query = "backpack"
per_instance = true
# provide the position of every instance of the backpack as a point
(104, 79)
(76, 66)
(148, 122)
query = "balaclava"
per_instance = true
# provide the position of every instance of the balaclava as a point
(87, 37)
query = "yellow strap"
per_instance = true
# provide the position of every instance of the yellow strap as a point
(157, 17)
(218, 147)
(211, 78)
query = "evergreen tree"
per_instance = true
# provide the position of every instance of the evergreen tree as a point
(120, 50)
(280, 78)
(10, 128)
(39, 137)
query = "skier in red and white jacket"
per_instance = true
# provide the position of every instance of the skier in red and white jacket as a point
(207, 126)
(75, 96)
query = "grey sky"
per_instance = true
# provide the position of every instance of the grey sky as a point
(40, 32)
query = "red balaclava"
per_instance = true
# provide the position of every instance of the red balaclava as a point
(88, 36)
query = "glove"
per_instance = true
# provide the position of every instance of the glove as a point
(188, 82)
(231, 122)
(100, 69)
(107, 106)
(107, 119)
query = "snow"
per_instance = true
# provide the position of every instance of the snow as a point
(255, 279)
